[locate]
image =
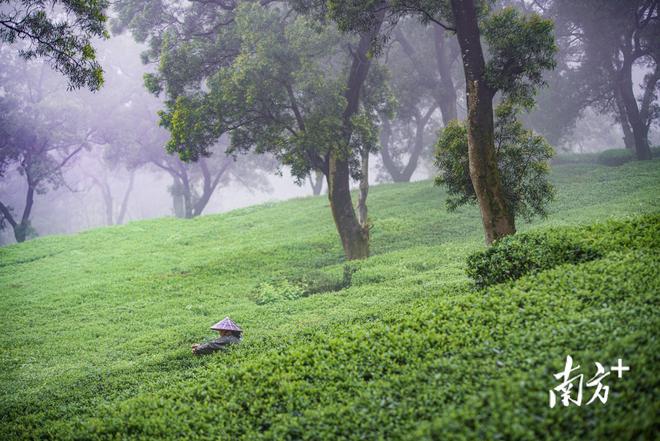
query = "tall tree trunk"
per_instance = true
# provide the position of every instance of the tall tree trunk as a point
(622, 117)
(364, 189)
(316, 182)
(398, 173)
(21, 230)
(124, 201)
(207, 189)
(447, 91)
(354, 236)
(390, 165)
(186, 190)
(178, 204)
(420, 127)
(107, 201)
(638, 126)
(497, 218)
(21, 227)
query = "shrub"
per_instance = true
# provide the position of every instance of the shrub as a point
(615, 157)
(296, 286)
(522, 159)
(277, 290)
(523, 253)
(515, 256)
(457, 366)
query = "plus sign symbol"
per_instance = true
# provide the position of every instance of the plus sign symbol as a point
(620, 368)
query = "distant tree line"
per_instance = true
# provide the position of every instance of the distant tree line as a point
(321, 86)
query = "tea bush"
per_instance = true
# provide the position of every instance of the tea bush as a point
(520, 254)
(460, 365)
(277, 290)
(97, 326)
(524, 253)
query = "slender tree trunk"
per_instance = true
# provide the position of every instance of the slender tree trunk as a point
(646, 111)
(21, 230)
(364, 189)
(447, 91)
(354, 236)
(622, 117)
(398, 173)
(124, 202)
(420, 127)
(638, 126)
(207, 189)
(107, 201)
(6, 214)
(316, 182)
(187, 196)
(390, 165)
(177, 198)
(497, 218)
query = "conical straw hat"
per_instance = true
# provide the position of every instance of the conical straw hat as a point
(226, 324)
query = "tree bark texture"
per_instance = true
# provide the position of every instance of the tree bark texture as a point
(637, 124)
(498, 220)
(354, 235)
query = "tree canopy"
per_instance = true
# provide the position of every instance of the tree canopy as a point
(60, 32)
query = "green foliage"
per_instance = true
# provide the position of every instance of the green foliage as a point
(521, 48)
(277, 290)
(61, 32)
(296, 286)
(98, 325)
(451, 363)
(525, 253)
(522, 159)
(515, 256)
(615, 157)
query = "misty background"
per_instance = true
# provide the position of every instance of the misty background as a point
(114, 168)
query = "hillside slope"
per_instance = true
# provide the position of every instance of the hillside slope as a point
(98, 326)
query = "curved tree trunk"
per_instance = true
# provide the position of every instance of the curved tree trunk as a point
(354, 235)
(447, 91)
(364, 189)
(177, 197)
(107, 201)
(622, 117)
(316, 182)
(398, 173)
(637, 124)
(497, 219)
(124, 202)
(388, 162)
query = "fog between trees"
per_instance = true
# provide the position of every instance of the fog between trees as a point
(99, 158)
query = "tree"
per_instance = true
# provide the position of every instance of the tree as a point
(520, 49)
(522, 160)
(615, 36)
(38, 139)
(278, 82)
(60, 32)
(422, 83)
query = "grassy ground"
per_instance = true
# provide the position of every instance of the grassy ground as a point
(98, 326)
